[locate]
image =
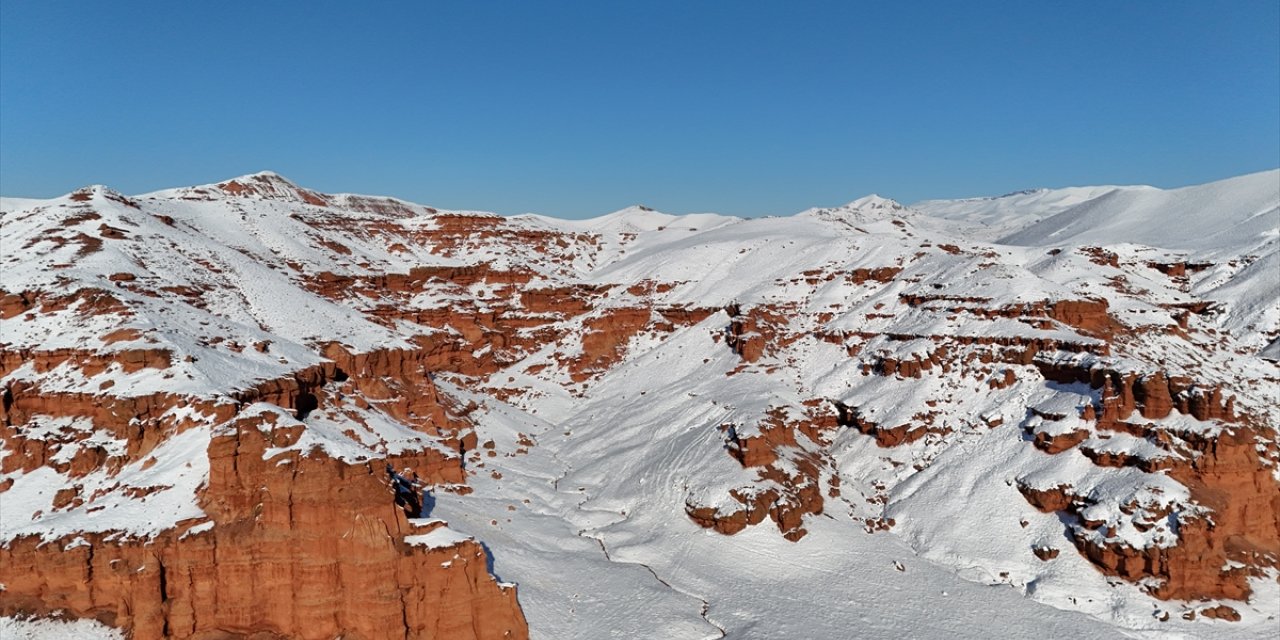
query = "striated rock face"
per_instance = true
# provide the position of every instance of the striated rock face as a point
(295, 543)
(1154, 395)
(1226, 472)
(1218, 551)
(759, 330)
(300, 546)
(885, 436)
(1236, 531)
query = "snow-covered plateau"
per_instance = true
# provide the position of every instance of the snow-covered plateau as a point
(1051, 414)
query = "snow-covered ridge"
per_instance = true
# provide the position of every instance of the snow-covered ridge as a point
(935, 371)
(1234, 214)
(266, 185)
(1170, 218)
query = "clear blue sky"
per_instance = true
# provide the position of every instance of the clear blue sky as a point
(580, 108)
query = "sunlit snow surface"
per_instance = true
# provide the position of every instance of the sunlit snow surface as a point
(616, 468)
(16, 628)
(590, 522)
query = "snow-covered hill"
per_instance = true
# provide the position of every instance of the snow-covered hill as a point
(1047, 413)
(1231, 228)
(1237, 215)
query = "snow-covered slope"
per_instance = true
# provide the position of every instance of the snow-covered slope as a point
(1004, 214)
(1239, 214)
(1230, 227)
(1235, 215)
(1013, 416)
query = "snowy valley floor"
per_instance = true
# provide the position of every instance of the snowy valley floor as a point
(590, 524)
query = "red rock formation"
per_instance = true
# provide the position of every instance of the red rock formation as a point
(88, 362)
(302, 546)
(1221, 612)
(88, 301)
(1154, 395)
(481, 337)
(1090, 316)
(139, 421)
(1045, 553)
(792, 491)
(274, 187)
(1179, 269)
(1243, 526)
(885, 436)
(273, 562)
(604, 338)
(879, 274)
(758, 330)
(1100, 256)
(1059, 498)
(1059, 442)
(1225, 473)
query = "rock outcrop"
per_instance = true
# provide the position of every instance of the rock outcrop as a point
(300, 546)
(296, 543)
(790, 465)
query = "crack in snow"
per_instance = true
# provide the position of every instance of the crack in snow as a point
(705, 607)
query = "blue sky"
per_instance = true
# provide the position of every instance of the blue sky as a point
(580, 108)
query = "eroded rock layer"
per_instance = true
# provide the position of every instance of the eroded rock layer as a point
(300, 547)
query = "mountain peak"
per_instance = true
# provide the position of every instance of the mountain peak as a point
(874, 202)
(264, 177)
(91, 190)
(269, 185)
(96, 191)
(262, 180)
(636, 210)
(1022, 192)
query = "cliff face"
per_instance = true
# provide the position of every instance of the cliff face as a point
(1225, 470)
(294, 546)
(294, 542)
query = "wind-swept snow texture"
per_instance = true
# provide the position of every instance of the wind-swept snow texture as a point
(1046, 414)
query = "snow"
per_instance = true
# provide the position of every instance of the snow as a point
(438, 538)
(203, 527)
(1240, 213)
(347, 432)
(17, 628)
(1000, 215)
(1221, 223)
(603, 491)
(637, 219)
(141, 500)
(758, 585)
